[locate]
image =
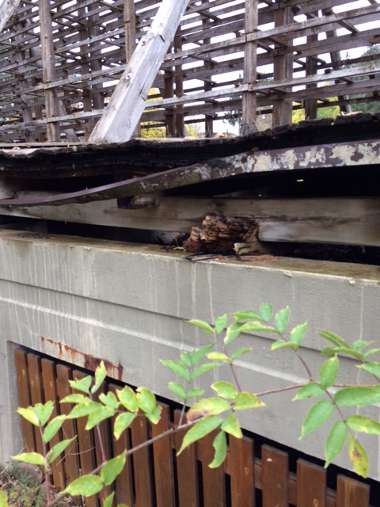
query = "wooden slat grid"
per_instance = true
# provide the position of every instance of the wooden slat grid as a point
(156, 477)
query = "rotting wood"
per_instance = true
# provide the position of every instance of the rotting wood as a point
(127, 103)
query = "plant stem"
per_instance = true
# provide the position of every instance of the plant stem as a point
(235, 377)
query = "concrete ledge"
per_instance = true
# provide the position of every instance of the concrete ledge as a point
(75, 299)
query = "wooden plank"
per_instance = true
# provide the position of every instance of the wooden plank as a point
(241, 467)
(163, 462)
(274, 477)
(187, 473)
(311, 485)
(127, 103)
(86, 446)
(24, 398)
(213, 480)
(351, 493)
(142, 464)
(7, 9)
(71, 462)
(124, 483)
(50, 393)
(34, 374)
(249, 99)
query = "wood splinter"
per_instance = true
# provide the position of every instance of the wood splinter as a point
(225, 235)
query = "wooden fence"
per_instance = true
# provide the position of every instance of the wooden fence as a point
(253, 476)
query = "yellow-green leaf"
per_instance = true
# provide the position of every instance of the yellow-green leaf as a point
(58, 449)
(86, 485)
(358, 396)
(201, 324)
(122, 422)
(43, 411)
(108, 502)
(225, 390)
(246, 400)
(3, 499)
(220, 357)
(209, 406)
(317, 416)
(128, 398)
(308, 391)
(100, 375)
(98, 416)
(329, 371)
(363, 424)
(52, 428)
(112, 469)
(146, 400)
(221, 323)
(298, 333)
(335, 442)
(220, 447)
(358, 457)
(266, 312)
(29, 415)
(177, 368)
(32, 458)
(82, 385)
(231, 425)
(282, 319)
(178, 390)
(200, 429)
(372, 368)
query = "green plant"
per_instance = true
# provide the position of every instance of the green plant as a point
(220, 411)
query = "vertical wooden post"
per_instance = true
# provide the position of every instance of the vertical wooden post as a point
(283, 68)
(311, 69)
(178, 78)
(249, 106)
(209, 119)
(48, 67)
(168, 93)
(129, 28)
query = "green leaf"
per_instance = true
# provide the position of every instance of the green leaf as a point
(154, 416)
(358, 396)
(3, 499)
(240, 352)
(363, 424)
(108, 502)
(334, 339)
(220, 357)
(316, 417)
(329, 351)
(245, 316)
(113, 468)
(335, 442)
(198, 354)
(128, 398)
(372, 352)
(266, 312)
(32, 458)
(309, 391)
(100, 415)
(246, 400)
(282, 344)
(43, 411)
(201, 324)
(209, 406)
(122, 422)
(86, 485)
(185, 359)
(225, 389)
(52, 428)
(82, 385)
(177, 368)
(195, 393)
(221, 323)
(75, 398)
(29, 415)
(146, 400)
(201, 370)
(100, 375)
(58, 449)
(200, 430)
(372, 368)
(84, 410)
(178, 390)
(360, 345)
(297, 334)
(231, 425)
(358, 457)
(329, 371)
(256, 327)
(220, 447)
(282, 319)
(233, 331)
(109, 400)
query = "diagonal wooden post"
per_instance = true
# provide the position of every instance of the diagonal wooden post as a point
(7, 9)
(127, 103)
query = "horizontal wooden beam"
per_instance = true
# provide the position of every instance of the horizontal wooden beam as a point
(7, 9)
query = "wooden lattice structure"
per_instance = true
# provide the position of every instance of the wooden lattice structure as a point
(61, 59)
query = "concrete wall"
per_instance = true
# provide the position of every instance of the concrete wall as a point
(128, 304)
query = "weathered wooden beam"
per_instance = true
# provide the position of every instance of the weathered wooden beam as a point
(7, 9)
(127, 103)
(249, 105)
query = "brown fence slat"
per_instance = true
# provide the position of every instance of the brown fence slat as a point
(71, 462)
(274, 477)
(214, 482)
(311, 485)
(24, 398)
(34, 375)
(241, 467)
(50, 393)
(163, 462)
(142, 464)
(351, 493)
(86, 447)
(187, 474)
(124, 483)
